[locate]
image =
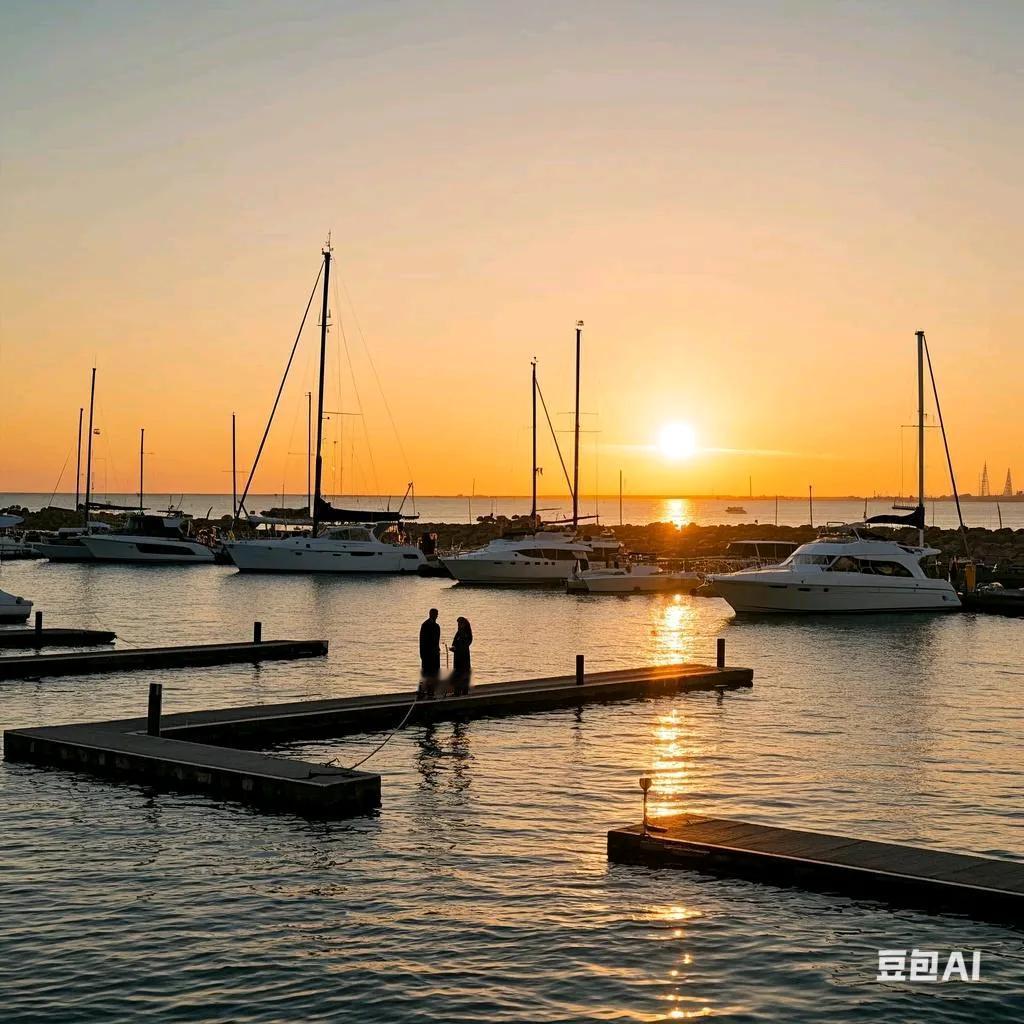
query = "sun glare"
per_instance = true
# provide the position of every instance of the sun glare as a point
(677, 441)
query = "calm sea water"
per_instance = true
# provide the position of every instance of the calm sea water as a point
(481, 891)
(637, 511)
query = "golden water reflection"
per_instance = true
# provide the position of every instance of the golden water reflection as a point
(678, 511)
(673, 625)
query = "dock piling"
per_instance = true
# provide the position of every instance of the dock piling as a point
(257, 632)
(579, 669)
(39, 624)
(156, 693)
(720, 660)
(645, 785)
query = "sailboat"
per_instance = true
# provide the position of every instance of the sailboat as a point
(67, 544)
(340, 540)
(850, 568)
(540, 554)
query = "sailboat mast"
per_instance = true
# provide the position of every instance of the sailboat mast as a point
(309, 451)
(142, 458)
(533, 475)
(318, 476)
(576, 435)
(234, 473)
(920, 435)
(78, 461)
(88, 456)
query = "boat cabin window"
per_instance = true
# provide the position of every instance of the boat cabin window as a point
(350, 533)
(884, 568)
(869, 566)
(808, 559)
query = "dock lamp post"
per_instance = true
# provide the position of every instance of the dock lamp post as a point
(645, 785)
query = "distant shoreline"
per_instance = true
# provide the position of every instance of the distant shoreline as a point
(480, 496)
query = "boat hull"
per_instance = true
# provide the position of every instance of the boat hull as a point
(148, 550)
(301, 556)
(14, 609)
(658, 584)
(64, 552)
(507, 570)
(803, 597)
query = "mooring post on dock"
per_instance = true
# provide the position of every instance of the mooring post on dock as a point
(39, 623)
(257, 632)
(645, 784)
(720, 659)
(156, 696)
(579, 669)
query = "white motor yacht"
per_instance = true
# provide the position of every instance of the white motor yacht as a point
(638, 578)
(150, 540)
(350, 548)
(546, 556)
(14, 609)
(848, 569)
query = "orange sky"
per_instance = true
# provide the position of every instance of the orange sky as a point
(752, 207)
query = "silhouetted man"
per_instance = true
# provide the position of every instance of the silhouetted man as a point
(430, 653)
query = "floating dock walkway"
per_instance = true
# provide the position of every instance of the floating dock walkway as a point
(198, 750)
(55, 637)
(37, 666)
(932, 879)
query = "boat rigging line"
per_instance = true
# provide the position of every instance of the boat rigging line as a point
(945, 443)
(376, 377)
(277, 399)
(554, 436)
(355, 391)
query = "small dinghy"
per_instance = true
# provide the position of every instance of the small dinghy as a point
(14, 609)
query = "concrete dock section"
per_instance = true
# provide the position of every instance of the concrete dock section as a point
(39, 666)
(269, 723)
(912, 876)
(271, 782)
(55, 637)
(201, 749)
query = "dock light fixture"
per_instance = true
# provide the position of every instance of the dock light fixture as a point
(645, 785)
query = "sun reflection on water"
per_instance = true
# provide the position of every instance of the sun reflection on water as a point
(673, 622)
(675, 510)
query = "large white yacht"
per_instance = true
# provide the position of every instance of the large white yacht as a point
(150, 539)
(847, 569)
(546, 556)
(351, 547)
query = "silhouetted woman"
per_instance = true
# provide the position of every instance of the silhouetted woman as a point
(462, 667)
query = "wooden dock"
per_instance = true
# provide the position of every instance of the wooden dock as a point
(270, 723)
(37, 666)
(55, 637)
(913, 876)
(199, 749)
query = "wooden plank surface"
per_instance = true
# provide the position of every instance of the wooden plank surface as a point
(983, 886)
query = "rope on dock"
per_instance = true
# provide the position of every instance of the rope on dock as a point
(380, 746)
(384, 742)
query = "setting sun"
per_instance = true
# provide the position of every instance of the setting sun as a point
(677, 441)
